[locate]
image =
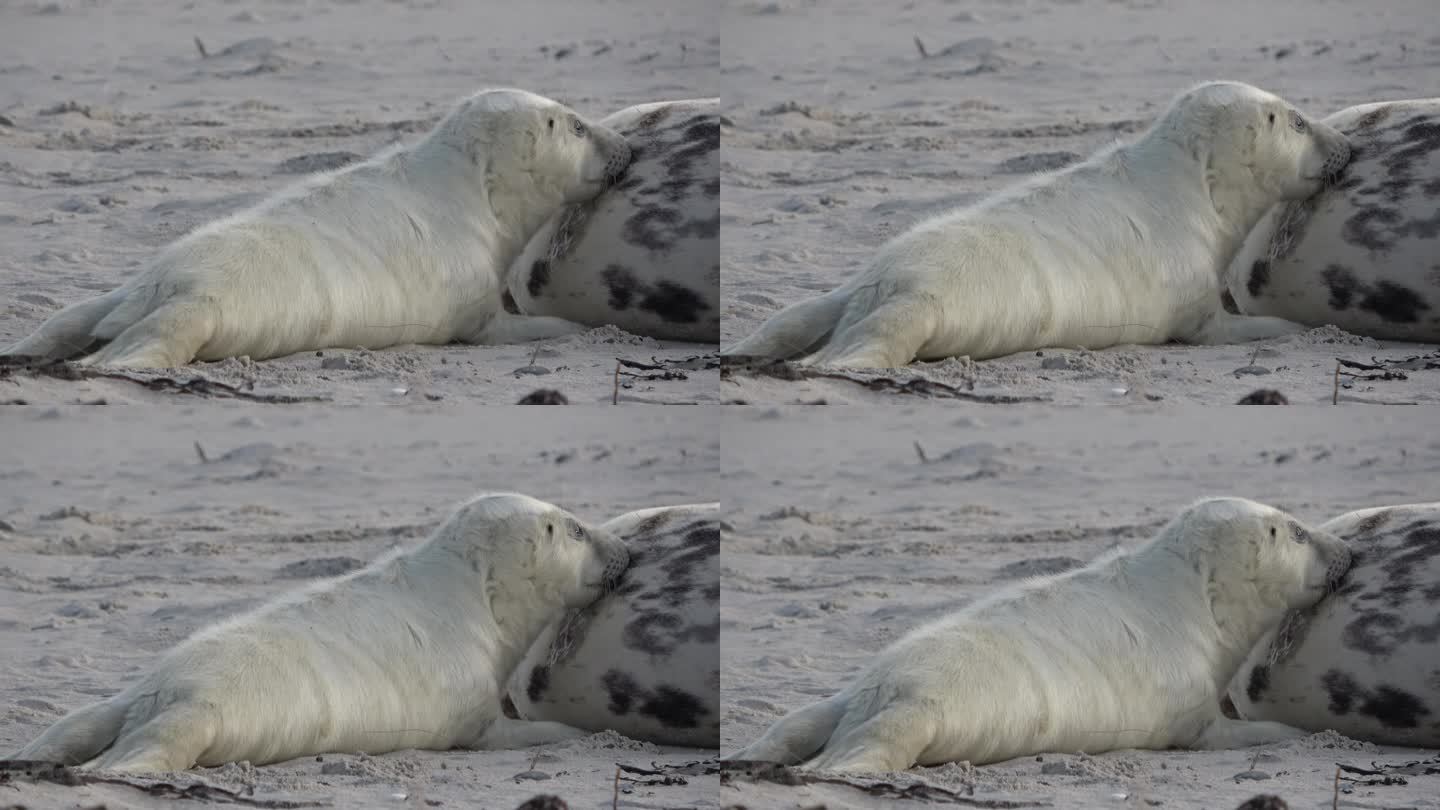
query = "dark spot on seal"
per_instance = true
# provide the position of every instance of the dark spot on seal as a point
(539, 682)
(1259, 276)
(1227, 302)
(1227, 707)
(507, 302)
(1342, 690)
(654, 522)
(1372, 633)
(1431, 188)
(1342, 286)
(539, 276)
(1394, 303)
(621, 283)
(1363, 228)
(653, 118)
(1372, 522)
(1394, 708)
(674, 708)
(622, 690)
(1370, 119)
(1423, 133)
(647, 227)
(1258, 683)
(673, 303)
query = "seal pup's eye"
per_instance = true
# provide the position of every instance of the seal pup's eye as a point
(579, 127)
(1298, 122)
(1272, 119)
(577, 533)
(1272, 531)
(551, 124)
(550, 530)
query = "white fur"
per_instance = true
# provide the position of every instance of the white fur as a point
(407, 247)
(645, 254)
(1362, 253)
(1129, 246)
(644, 659)
(1363, 661)
(1131, 651)
(410, 652)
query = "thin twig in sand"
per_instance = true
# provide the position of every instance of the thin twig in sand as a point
(784, 775)
(920, 46)
(200, 46)
(920, 451)
(1335, 796)
(919, 386)
(11, 769)
(615, 797)
(200, 451)
(199, 386)
(615, 393)
(1335, 394)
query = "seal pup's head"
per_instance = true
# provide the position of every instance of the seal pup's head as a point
(1248, 138)
(535, 550)
(1257, 561)
(526, 142)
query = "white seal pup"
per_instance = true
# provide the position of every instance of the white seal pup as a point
(1130, 246)
(1364, 253)
(410, 246)
(644, 659)
(1364, 661)
(412, 651)
(1131, 651)
(645, 254)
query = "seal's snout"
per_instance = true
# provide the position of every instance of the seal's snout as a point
(621, 156)
(1340, 562)
(1341, 153)
(617, 559)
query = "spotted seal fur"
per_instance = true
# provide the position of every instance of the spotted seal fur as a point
(1365, 661)
(645, 659)
(645, 254)
(1364, 253)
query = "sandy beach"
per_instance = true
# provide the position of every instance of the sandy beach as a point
(117, 539)
(849, 121)
(835, 548)
(124, 124)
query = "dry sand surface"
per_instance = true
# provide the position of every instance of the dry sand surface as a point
(840, 135)
(117, 540)
(117, 136)
(835, 547)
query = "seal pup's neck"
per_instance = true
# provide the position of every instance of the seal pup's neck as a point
(514, 204)
(1240, 612)
(1237, 206)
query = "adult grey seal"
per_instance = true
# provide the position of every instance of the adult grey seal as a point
(645, 254)
(643, 660)
(1364, 253)
(1365, 661)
